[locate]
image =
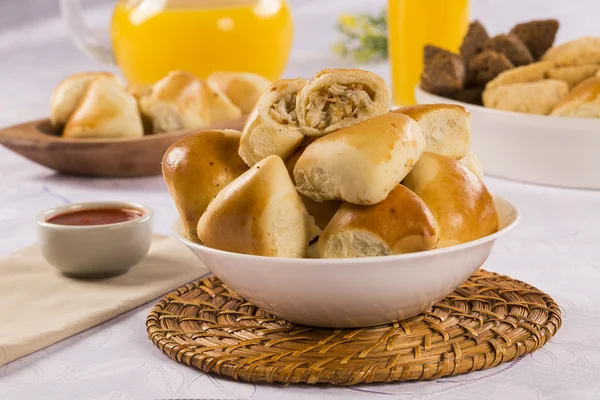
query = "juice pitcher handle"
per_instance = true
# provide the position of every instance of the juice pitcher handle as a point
(85, 39)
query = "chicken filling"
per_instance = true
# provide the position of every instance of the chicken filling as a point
(326, 108)
(284, 111)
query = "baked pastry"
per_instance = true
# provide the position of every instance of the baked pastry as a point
(472, 162)
(182, 101)
(242, 88)
(582, 102)
(272, 127)
(259, 213)
(574, 74)
(337, 98)
(538, 36)
(443, 73)
(474, 41)
(400, 224)
(198, 167)
(585, 50)
(139, 90)
(527, 73)
(464, 210)
(322, 211)
(512, 47)
(67, 95)
(105, 111)
(487, 65)
(360, 164)
(446, 127)
(533, 98)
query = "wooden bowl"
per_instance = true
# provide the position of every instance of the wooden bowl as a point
(117, 158)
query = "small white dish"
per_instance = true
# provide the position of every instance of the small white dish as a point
(351, 292)
(95, 251)
(538, 149)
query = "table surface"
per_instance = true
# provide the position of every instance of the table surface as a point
(556, 247)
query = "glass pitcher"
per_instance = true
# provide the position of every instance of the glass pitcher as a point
(151, 38)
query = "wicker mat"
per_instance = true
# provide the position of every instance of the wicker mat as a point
(489, 320)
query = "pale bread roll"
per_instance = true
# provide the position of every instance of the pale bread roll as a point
(584, 50)
(106, 110)
(573, 75)
(472, 162)
(338, 98)
(272, 127)
(401, 223)
(446, 127)
(360, 164)
(259, 213)
(524, 74)
(323, 211)
(198, 167)
(242, 88)
(464, 209)
(182, 101)
(532, 98)
(582, 102)
(67, 95)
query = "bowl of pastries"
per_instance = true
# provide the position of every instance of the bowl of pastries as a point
(533, 102)
(100, 127)
(329, 210)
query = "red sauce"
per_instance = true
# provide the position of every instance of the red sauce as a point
(99, 216)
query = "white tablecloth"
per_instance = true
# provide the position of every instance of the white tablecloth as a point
(556, 248)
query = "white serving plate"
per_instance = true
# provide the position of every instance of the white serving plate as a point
(533, 148)
(351, 292)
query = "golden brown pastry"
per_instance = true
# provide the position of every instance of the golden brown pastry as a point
(573, 75)
(242, 88)
(527, 73)
(582, 102)
(182, 101)
(464, 210)
(446, 127)
(67, 95)
(533, 98)
(272, 127)
(472, 162)
(360, 164)
(259, 213)
(105, 111)
(338, 98)
(198, 167)
(402, 223)
(585, 50)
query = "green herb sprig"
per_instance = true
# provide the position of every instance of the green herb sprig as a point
(364, 37)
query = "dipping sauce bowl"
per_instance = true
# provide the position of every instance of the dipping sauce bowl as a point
(95, 239)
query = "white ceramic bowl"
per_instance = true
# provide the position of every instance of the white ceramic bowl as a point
(533, 148)
(95, 251)
(351, 292)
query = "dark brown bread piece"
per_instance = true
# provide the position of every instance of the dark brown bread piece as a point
(468, 95)
(512, 47)
(538, 36)
(443, 73)
(429, 51)
(486, 66)
(474, 41)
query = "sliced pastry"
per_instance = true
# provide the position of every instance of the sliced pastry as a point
(464, 210)
(533, 97)
(259, 213)
(582, 51)
(472, 162)
(402, 223)
(360, 164)
(573, 75)
(582, 102)
(272, 127)
(198, 167)
(242, 88)
(524, 74)
(105, 111)
(337, 98)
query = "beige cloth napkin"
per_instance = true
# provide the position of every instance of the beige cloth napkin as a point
(39, 306)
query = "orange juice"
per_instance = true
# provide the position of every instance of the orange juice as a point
(153, 37)
(412, 24)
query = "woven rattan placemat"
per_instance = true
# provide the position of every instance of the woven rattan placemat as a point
(489, 320)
